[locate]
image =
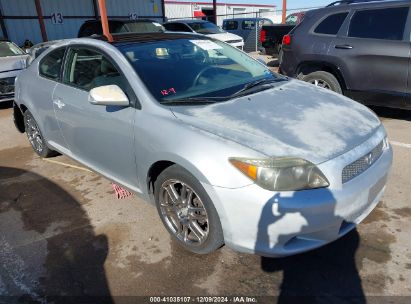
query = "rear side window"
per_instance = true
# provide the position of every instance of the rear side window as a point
(385, 24)
(332, 24)
(230, 25)
(50, 65)
(248, 25)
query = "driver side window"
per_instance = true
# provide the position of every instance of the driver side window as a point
(87, 69)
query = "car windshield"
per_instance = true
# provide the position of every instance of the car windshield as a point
(194, 67)
(205, 28)
(10, 49)
(144, 27)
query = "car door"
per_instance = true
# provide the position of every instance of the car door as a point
(373, 55)
(99, 136)
(49, 72)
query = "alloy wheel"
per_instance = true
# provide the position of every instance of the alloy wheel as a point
(34, 135)
(184, 212)
(320, 83)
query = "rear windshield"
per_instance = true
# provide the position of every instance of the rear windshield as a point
(205, 28)
(9, 49)
(144, 27)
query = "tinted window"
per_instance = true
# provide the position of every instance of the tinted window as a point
(50, 65)
(331, 25)
(230, 25)
(386, 23)
(248, 24)
(177, 27)
(205, 28)
(143, 27)
(87, 69)
(90, 28)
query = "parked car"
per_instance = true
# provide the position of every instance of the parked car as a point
(204, 28)
(12, 61)
(245, 28)
(272, 35)
(228, 151)
(37, 49)
(93, 27)
(361, 50)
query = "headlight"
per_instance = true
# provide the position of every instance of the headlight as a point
(281, 174)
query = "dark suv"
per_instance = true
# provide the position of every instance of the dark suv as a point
(93, 27)
(358, 48)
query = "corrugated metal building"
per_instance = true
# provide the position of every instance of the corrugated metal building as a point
(184, 9)
(19, 19)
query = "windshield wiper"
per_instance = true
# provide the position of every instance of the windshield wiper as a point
(194, 100)
(214, 99)
(255, 84)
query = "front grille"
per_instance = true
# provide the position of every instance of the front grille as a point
(233, 41)
(7, 86)
(362, 164)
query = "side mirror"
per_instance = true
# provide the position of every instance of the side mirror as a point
(109, 95)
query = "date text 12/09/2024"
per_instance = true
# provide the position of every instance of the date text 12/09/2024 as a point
(206, 299)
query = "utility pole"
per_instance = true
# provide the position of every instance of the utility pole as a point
(284, 11)
(104, 20)
(215, 11)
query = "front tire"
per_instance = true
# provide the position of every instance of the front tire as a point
(35, 137)
(187, 211)
(324, 80)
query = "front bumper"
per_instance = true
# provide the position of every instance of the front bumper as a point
(7, 89)
(258, 221)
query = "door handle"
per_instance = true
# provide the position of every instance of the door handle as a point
(59, 103)
(344, 47)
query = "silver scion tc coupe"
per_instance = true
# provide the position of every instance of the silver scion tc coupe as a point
(229, 152)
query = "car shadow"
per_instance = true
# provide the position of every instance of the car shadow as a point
(325, 275)
(49, 252)
(391, 113)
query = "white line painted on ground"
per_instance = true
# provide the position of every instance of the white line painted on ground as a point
(400, 144)
(66, 165)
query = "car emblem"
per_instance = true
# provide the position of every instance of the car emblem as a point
(369, 159)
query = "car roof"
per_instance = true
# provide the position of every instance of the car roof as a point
(120, 20)
(367, 2)
(244, 18)
(188, 21)
(148, 37)
(336, 7)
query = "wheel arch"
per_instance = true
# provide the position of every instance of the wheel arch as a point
(18, 117)
(307, 67)
(157, 167)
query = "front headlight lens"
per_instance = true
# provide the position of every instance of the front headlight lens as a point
(281, 174)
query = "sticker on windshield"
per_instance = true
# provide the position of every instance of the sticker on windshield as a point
(157, 24)
(206, 44)
(168, 91)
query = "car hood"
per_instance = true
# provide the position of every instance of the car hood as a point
(12, 63)
(292, 119)
(225, 36)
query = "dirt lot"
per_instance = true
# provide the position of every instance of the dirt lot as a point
(63, 232)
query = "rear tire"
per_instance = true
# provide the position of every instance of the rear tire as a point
(324, 80)
(35, 137)
(187, 211)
